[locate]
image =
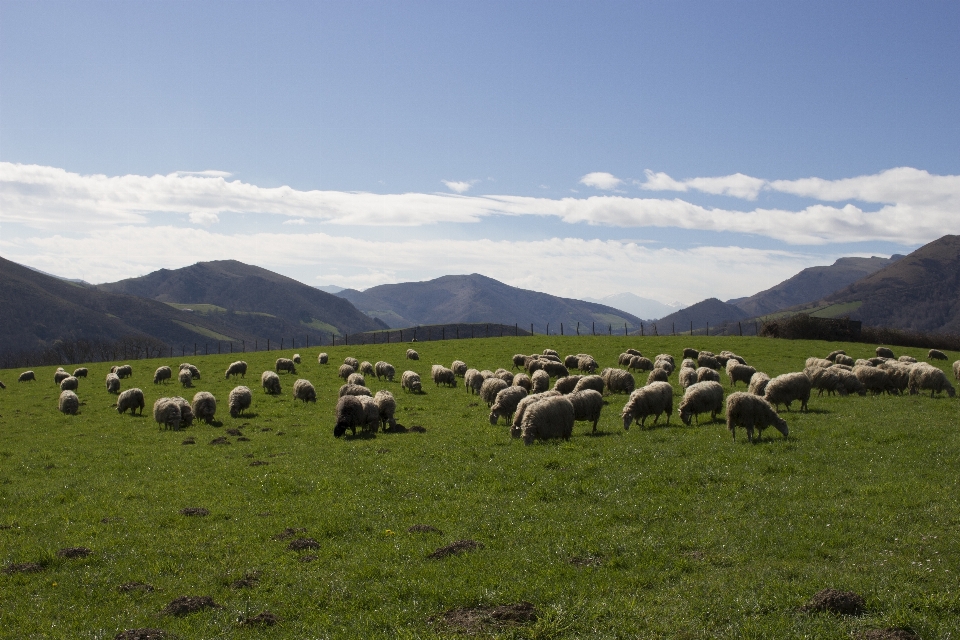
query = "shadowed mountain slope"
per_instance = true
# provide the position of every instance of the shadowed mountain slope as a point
(710, 311)
(477, 298)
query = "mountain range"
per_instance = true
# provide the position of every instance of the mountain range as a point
(644, 308)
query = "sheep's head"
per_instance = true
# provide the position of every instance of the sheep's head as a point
(781, 425)
(494, 416)
(950, 390)
(515, 431)
(627, 420)
(340, 429)
(685, 416)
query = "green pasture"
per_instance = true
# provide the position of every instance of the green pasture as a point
(665, 532)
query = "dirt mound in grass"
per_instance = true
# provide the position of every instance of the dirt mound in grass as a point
(845, 603)
(309, 558)
(189, 441)
(142, 634)
(887, 634)
(243, 439)
(22, 567)
(288, 533)
(262, 619)
(396, 428)
(220, 440)
(196, 512)
(417, 429)
(185, 605)
(302, 544)
(108, 520)
(235, 432)
(248, 581)
(480, 619)
(455, 548)
(135, 586)
(258, 463)
(423, 528)
(74, 552)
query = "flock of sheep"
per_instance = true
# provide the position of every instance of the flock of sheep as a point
(534, 410)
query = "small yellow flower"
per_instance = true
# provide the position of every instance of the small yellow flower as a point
(388, 532)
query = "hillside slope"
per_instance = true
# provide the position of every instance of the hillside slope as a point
(920, 292)
(256, 299)
(710, 311)
(36, 310)
(477, 298)
(636, 305)
(812, 284)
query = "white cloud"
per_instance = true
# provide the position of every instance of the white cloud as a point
(205, 218)
(737, 185)
(601, 180)
(459, 186)
(210, 173)
(295, 221)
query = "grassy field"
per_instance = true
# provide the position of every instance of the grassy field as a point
(672, 532)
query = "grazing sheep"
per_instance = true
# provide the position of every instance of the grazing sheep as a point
(186, 380)
(665, 361)
(844, 359)
(658, 375)
(410, 380)
(131, 399)
(689, 363)
(124, 371)
(239, 400)
(594, 382)
(352, 362)
(2, 386)
(553, 369)
(860, 362)
(238, 368)
(850, 382)
(166, 413)
(898, 375)
(758, 383)
(739, 372)
(925, 376)
(504, 375)
(303, 390)
(59, 376)
(700, 398)
(633, 352)
(533, 364)
(186, 412)
(412, 355)
(162, 374)
(459, 368)
(551, 352)
(366, 368)
(749, 411)
(825, 380)
(618, 381)
(847, 367)
(472, 381)
(874, 379)
(353, 412)
(651, 400)
(490, 388)
(708, 361)
(788, 387)
(353, 390)
(878, 361)
(525, 403)
(523, 380)
(540, 380)
(486, 373)
(27, 376)
(639, 363)
(566, 384)
(345, 371)
(442, 375)
(505, 403)
(204, 406)
(933, 354)
(624, 359)
(691, 353)
(113, 383)
(571, 361)
(956, 369)
(285, 364)
(550, 418)
(357, 379)
(907, 359)
(706, 374)
(384, 370)
(270, 382)
(69, 383)
(814, 361)
(687, 377)
(587, 364)
(884, 352)
(82, 371)
(296, 358)
(323, 358)
(834, 354)
(519, 361)
(68, 403)
(587, 405)
(728, 356)
(194, 372)
(387, 406)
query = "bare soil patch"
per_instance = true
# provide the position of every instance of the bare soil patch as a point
(383, 450)
(142, 634)
(243, 439)
(220, 440)
(288, 533)
(22, 567)
(109, 519)
(74, 552)
(396, 428)
(481, 619)
(307, 558)
(195, 512)
(455, 548)
(281, 433)
(267, 429)
(888, 634)
(258, 463)
(234, 432)
(9, 526)
(262, 619)
(185, 605)
(248, 581)
(845, 603)
(423, 528)
(417, 429)
(586, 561)
(135, 586)
(302, 544)
(189, 441)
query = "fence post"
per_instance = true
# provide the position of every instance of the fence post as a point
(206, 349)
(641, 329)
(610, 329)
(401, 335)
(561, 328)
(346, 338)
(691, 327)
(655, 331)
(708, 329)
(531, 328)
(268, 344)
(458, 331)
(594, 328)
(281, 344)
(516, 328)
(194, 348)
(740, 326)
(548, 328)
(333, 339)
(244, 347)
(625, 332)
(578, 328)
(308, 341)
(673, 328)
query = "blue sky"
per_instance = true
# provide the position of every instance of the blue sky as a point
(583, 149)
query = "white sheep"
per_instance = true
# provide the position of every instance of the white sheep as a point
(204, 406)
(519, 361)
(472, 380)
(874, 379)
(357, 379)
(442, 375)
(387, 405)
(687, 377)
(618, 381)
(353, 390)
(571, 361)
(490, 388)
(504, 375)
(786, 388)
(825, 380)
(751, 411)
(238, 368)
(658, 375)
(412, 355)
(371, 412)
(639, 363)
(459, 368)
(131, 399)
(907, 359)
(166, 413)
(705, 359)
(59, 376)
(194, 372)
(956, 369)
(566, 384)
(81, 372)
(366, 368)
(162, 374)
(303, 390)
(884, 352)
(239, 400)
(410, 380)
(551, 417)
(384, 370)
(285, 364)
(352, 412)
(739, 372)
(345, 371)
(69, 383)
(925, 376)
(651, 400)
(540, 380)
(505, 404)
(113, 383)
(27, 376)
(523, 380)
(323, 358)
(587, 405)
(124, 371)
(701, 398)
(933, 354)
(270, 382)
(185, 378)
(844, 359)
(758, 383)
(186, 412)
(296, 358)
(68, 402)
(587, 363)
(706, 374)
(594, 382)
(352, 362)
